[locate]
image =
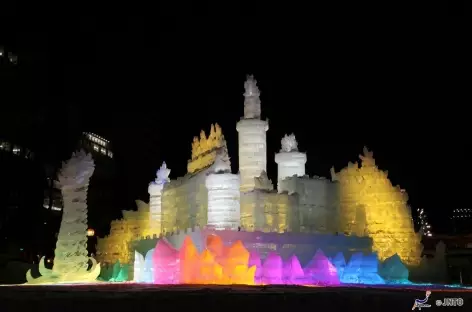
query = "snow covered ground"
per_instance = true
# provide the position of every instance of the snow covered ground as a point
(131, 297)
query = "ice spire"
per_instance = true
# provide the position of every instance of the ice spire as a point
(252, 102)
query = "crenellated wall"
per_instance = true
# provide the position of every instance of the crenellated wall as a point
(317, 201)
(370, 204)
(115, 246)
(185, 202)
(268, 211)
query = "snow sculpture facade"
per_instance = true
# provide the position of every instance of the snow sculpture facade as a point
(71, 257)
(155, 201)
(360, 202)
(290, 162)
(366, 191)
(252, 137)
(224, 211)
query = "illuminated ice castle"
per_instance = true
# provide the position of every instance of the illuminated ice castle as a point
(355, 204)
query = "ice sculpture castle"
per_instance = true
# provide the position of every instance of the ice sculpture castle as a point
(357, 209)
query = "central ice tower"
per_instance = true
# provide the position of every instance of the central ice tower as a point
(252, 137)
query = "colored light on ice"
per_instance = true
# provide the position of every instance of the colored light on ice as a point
(224, 265)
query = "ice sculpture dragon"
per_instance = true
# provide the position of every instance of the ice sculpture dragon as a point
(71, 257)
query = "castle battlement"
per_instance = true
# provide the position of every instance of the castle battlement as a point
(204, 149)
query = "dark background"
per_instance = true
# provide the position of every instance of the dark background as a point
(368, 75)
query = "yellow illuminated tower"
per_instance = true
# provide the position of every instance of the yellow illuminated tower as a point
(252, 137)
(372, 206)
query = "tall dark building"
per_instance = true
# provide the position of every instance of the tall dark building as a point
(21, 174)
(21, 185)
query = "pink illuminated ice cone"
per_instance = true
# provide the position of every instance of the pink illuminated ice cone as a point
(166, 263)
(255, 260)
(272, 269)
(292, 272)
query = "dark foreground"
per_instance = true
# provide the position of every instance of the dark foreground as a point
(139, 297)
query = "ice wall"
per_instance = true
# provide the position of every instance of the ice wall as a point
(368, 198)
(184, 202)
(268, 212)
(317, 202)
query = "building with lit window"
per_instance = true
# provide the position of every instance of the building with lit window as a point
(102, 198)
(21, 182)
(7, 57)
(96, 144)
(461, 220)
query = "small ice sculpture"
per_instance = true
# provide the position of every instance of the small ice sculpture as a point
(105, 273)
(339, 263)
(320, 271)
(119, 272)
(215, 245)
(210, 270)
(252, 102)
(272, 269)
(138, 267)
(289, 143)
(352, 271)
(148, 274)
(362, 270)
(255, 260)
(189, 261)
(293, 272)
(393, 270)
(71, 257)
(162, 175)
(166, 263)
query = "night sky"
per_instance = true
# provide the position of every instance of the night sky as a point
(151, 84)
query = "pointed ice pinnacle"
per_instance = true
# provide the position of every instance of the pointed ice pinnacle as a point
(162, 174)
(252, 103)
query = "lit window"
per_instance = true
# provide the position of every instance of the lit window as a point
(104, 151)
(95, 147)
(16, 150)
(5, 146)
(110, 154)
